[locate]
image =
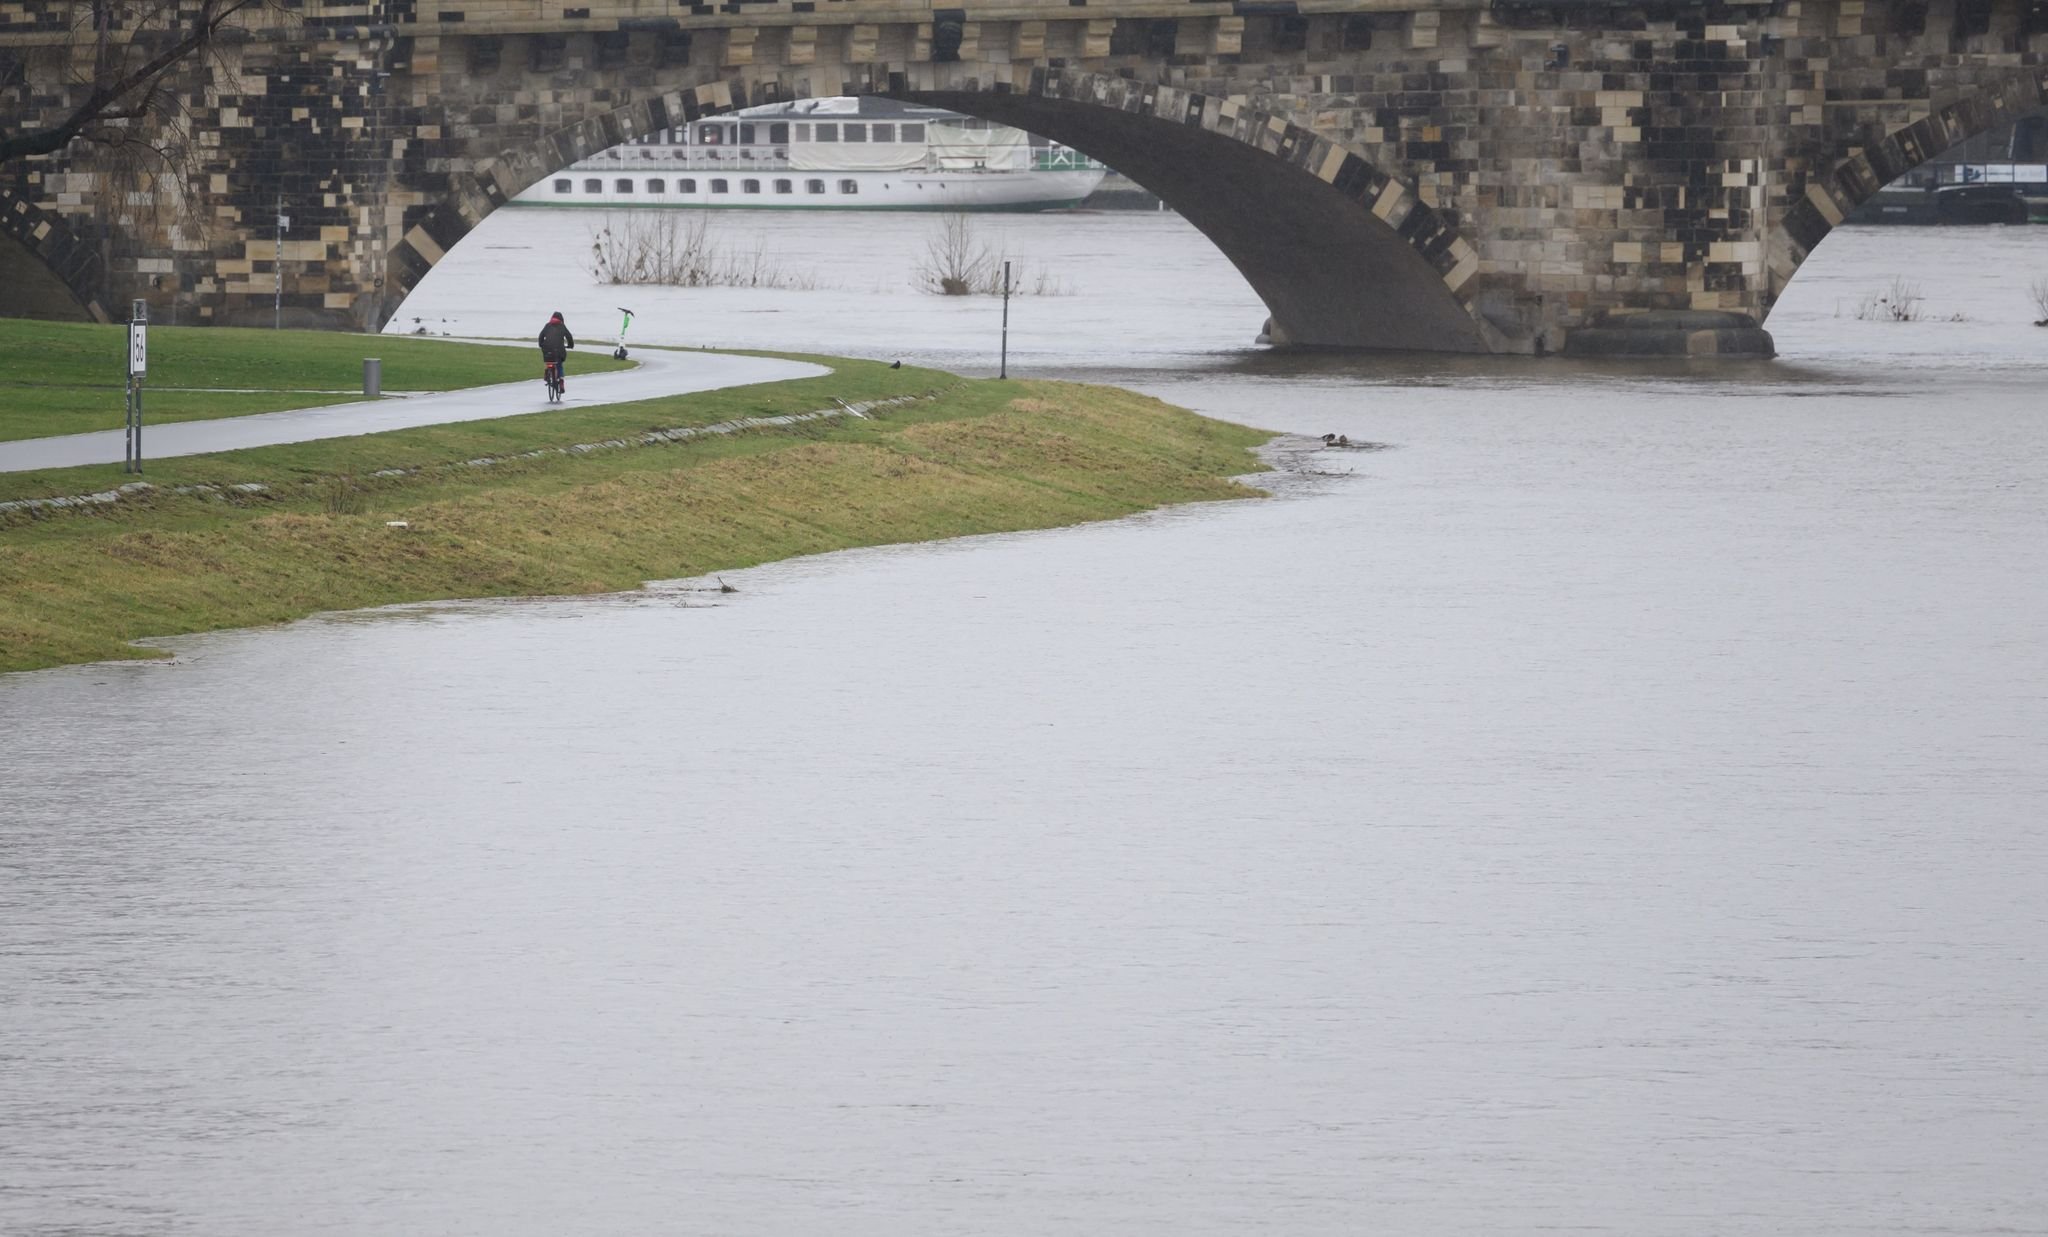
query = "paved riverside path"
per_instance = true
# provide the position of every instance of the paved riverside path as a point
(659, 373)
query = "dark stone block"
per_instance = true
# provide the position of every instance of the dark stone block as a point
(949, 26)
(482, 54)
(546, 52)
(1672, 333)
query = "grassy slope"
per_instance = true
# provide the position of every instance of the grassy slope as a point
(66, 377)
(981, 457)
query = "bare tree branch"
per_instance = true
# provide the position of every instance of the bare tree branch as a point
(115, 95)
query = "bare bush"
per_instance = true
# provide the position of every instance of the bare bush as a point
(1899, 303)
(678, 249)
(1045, 283)
(342, 496)
(2039, 291)
(959, 261)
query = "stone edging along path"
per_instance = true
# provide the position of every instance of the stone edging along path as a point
(652, 438)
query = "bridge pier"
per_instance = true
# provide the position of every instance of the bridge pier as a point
(1439, 175)
(1672, 332)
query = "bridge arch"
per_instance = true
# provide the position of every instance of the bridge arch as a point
(1338, 248)
(1876, 151)
(46, 271)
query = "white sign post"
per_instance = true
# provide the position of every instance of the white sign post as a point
(277, 265)
(138, 366)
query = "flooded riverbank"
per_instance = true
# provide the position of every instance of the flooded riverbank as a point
(1613, 808)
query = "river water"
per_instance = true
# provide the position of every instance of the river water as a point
(1617, 807)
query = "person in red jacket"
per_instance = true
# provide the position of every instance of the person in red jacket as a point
(555, 342)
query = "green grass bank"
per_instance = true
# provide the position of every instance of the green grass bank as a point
(547, 517)
(68, 377)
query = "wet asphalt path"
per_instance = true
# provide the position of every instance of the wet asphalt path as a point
(659, 373)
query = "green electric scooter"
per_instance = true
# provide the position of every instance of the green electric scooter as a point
(619, 353)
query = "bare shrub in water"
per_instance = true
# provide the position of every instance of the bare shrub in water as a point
(1899, 303)
(678, 249)
(959, 261)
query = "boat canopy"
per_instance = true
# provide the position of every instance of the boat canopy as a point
(960, 147)
(831, 155)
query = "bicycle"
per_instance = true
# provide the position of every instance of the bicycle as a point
(551, 375)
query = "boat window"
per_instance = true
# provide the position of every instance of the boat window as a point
(778, 134)
(562, 186)
(719, 186)
(828, 133)
(782, 186)
(750, 186)
(710, 135)
(593, 185)
(646, 154)
(686, 186)
(814, 186)
(885, 133)
(746, 135)
(657, 185)
(913, 133)
(849, 186)
(623, 185)
(856, 133)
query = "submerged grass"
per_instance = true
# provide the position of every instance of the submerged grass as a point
(976, 457)
(68, 377)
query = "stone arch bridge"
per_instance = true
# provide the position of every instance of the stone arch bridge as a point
(1461, 175)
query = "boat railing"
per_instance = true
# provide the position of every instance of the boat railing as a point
(1061, 159)
(1947, 174)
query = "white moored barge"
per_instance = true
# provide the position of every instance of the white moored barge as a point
(829, 154)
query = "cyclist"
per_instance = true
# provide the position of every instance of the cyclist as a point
(555, 342)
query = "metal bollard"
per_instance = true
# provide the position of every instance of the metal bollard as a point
(373, 376)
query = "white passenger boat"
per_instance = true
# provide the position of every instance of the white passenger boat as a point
(829, 154)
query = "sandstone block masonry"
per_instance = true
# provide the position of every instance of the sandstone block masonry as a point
(1464, 176)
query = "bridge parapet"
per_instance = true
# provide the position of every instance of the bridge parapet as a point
(1397, 174)
(52, 17)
